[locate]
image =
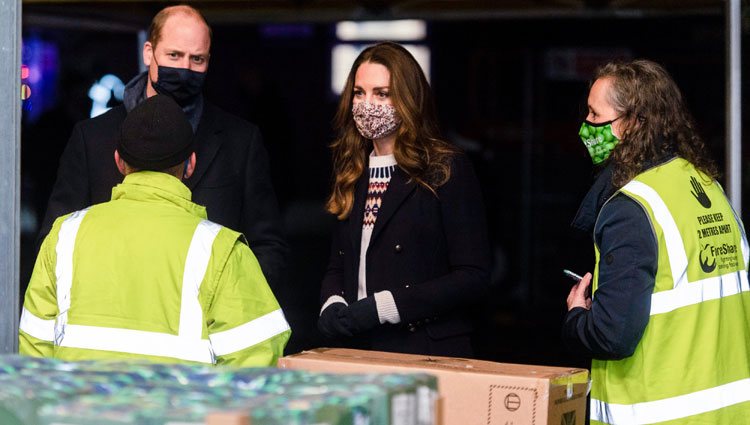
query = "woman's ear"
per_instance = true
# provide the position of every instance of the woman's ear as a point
(622, 126)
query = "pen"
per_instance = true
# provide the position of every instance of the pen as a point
(572, 275)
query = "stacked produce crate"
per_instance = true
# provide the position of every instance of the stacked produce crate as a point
(46, 391)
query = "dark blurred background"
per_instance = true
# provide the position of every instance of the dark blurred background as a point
(510, 79)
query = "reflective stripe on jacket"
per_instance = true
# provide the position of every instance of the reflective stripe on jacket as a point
(146, 275)
(692, 364)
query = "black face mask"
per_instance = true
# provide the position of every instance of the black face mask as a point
(181, 84)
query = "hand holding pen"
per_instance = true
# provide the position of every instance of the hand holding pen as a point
(580, 293)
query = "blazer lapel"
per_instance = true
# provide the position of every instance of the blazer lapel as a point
(207, 143)
(358, 211)
(398, 190)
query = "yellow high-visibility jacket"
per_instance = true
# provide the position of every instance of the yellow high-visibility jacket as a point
(147, 276)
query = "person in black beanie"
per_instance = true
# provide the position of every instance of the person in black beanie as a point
(156, 137)
(146, 275)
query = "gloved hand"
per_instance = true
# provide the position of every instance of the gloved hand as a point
(329, 323)
(360, 316)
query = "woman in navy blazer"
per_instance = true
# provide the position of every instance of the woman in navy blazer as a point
(410, 254)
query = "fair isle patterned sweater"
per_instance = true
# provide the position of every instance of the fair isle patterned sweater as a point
(380, 169)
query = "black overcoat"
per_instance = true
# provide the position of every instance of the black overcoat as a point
(231, 179)
(430, 250)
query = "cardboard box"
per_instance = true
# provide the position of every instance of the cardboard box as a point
(228, 418)
(472, 392)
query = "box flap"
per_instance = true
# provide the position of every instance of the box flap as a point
(556, 375)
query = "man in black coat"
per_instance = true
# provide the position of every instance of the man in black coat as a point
(232, 177)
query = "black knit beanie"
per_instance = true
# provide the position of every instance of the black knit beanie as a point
(156, 135)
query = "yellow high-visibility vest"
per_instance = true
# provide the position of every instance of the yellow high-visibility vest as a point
(692, 365)
(146, 275)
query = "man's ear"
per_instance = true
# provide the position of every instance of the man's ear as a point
(190, 166)
(120, 164)
(148, 53)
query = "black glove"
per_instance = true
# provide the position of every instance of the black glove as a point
(330, 325)
(360, 316)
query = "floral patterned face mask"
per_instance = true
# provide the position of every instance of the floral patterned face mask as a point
(375, 121)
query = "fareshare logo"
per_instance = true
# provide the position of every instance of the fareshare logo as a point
(706, 254)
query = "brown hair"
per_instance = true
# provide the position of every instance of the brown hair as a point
(419, 148)
(655, 120)
(157, 24)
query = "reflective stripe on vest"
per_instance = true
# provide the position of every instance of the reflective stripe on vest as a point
(37, 327)
(66, 240)
(199, 253)
(703, 290)
(672, 408)
(249, 334)
(684, 295)
(188, 346)
(675, 247)
(137, 342)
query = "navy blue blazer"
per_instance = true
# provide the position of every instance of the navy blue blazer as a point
(431, 252)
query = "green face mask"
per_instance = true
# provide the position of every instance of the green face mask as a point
(598, 139)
